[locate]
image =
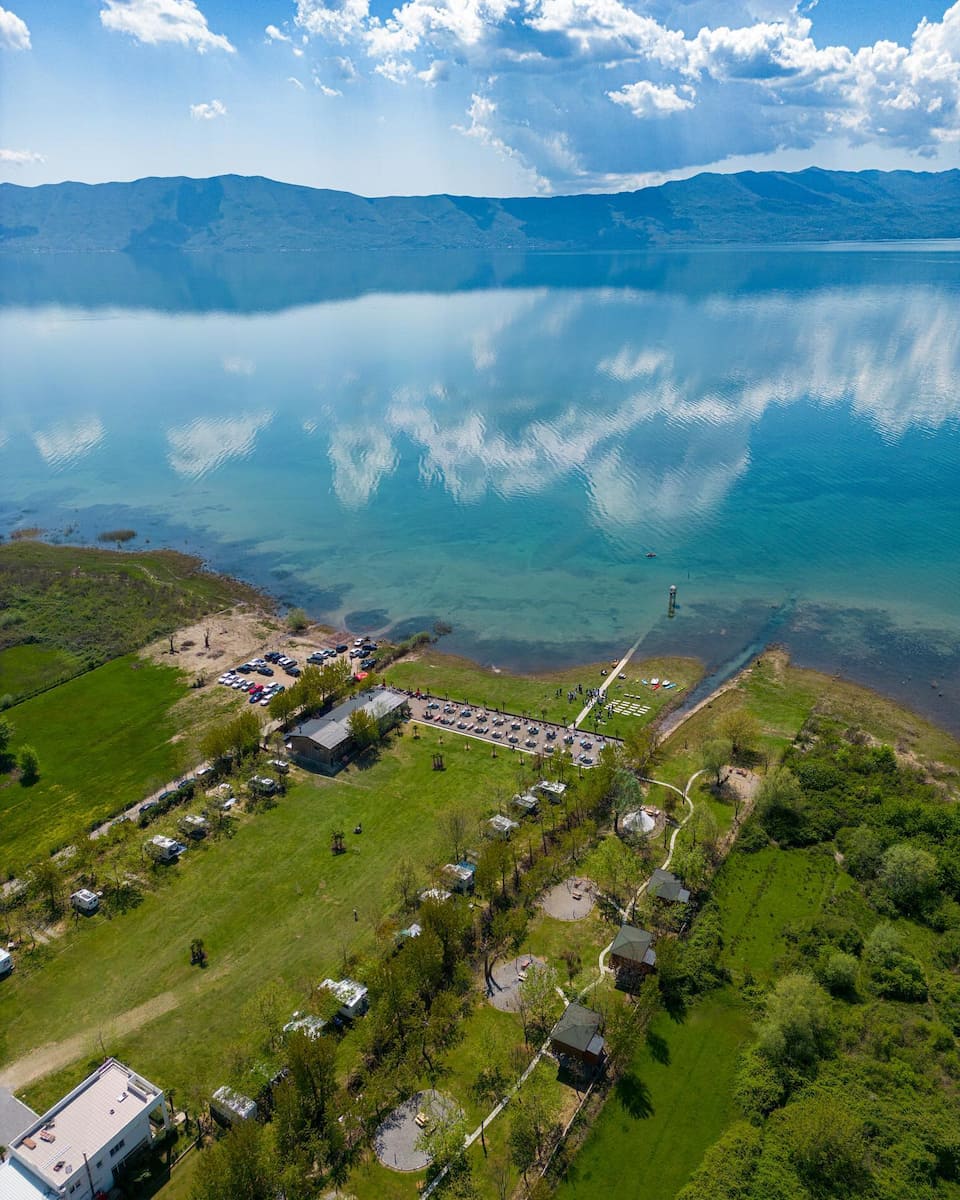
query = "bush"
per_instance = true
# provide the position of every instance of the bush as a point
(838, 973)
(894, 974)
(29, 764)
(297, 620)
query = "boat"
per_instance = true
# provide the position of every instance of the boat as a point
(666, 683)
(651, 554)
(655, 682)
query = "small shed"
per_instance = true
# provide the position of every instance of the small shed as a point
(576, 1035)
(437, 895)
(666, 886)
(412, 931)
(502, 827)
(527, 803)
(163, 849)
(85, 901)
(300, 1022)
(632, 951)
(194, 825)
(460, 877)
(227, 1107)
(352, 996)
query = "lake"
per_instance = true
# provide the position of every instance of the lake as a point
(499, 443)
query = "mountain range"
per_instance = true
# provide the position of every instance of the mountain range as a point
(240, 213)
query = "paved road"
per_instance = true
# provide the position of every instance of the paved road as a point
(614, 674)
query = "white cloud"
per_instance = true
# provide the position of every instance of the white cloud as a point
(323, 88)
(295, 81)
(208, 111)
(335, 22)
(437, 72)
(481, 113)
(236, 365)
(206, 443)
(68, 441)
(276, 35)
(155, 21)
(14, 34)
(20, 158)
(646, 99)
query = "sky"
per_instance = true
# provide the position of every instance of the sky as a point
(481, 97)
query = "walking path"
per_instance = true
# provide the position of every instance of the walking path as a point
(594, 700)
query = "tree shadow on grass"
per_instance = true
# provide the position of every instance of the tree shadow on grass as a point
(659, 1050)
(634, 1095)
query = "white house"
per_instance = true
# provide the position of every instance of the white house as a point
(163, 849)
(352, 996)
(553, 790)
(76, 1149)
(85, 901)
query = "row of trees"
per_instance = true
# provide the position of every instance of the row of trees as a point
(26, 759)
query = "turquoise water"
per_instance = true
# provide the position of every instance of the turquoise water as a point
(499, 443)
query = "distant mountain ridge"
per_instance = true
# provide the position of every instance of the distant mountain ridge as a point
(240, 213)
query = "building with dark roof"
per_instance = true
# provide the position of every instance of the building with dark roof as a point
(576, 1035)
(325, 743)
(632, 951)
(666, 886)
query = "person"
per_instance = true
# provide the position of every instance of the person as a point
(356, 915)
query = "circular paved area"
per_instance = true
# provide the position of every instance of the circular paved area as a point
(396, 1140)
(504, 982)
(561, 901)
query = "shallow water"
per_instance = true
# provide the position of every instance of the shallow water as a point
(499, 443)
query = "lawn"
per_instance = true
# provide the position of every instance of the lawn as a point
(674, 1102)
(760, 893)
(536, 695)
(32, 668)
(271, 904)
(103, 740)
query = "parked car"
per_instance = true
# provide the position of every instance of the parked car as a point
(342, 648)
(264, 670)
(280, 765)
(294, 671)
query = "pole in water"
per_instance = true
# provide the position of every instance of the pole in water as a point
(672, 603)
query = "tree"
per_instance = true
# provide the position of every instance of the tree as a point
(908, 877)
(781, 806)
(741, 729)
(704, 830)
(404, 882)
(727, 1167)
(533, 1127)
(626, 1024)
(491, 1082)
(6, 736)
(443, 1141)
(239, 1167)
(827, 1145)
(29, 764)
(641, 748)
(281, 706)
(297, 620)
(716, 754)
(46, 883)
(539, 1000)
(364, 729)
(798, 1027)
(863, 852)
(616, 869)
(838, 973)
(627, 796)
(454, 824)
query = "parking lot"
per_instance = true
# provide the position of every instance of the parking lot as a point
(507, 730)
(258, 678)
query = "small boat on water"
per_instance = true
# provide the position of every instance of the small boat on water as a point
(651, 554)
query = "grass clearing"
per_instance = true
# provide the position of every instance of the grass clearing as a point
(271, 903)
(103, 739)
(760, 893)
(32, 668)
(662, 1116)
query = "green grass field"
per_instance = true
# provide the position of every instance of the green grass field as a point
(760, 893)
(103, 740)
(444, 675)
(32, 668)
(673, 1104)
(271, 904)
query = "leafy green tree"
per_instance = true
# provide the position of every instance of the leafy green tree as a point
(642, 748)
(626, 797)
(364, 729)
(742, 730)
(838, 973)
(29, 764)
(6, 736)
(281, 706)
(617, 870)
(46, 884)
(443, 1142)
(540, 1004)
(908, 877)
(296, 620)
(893, 972)
(760, 1086)
(798, 1028)
(241, 1166)
(716, 754)
(826, 1142)
(727, 1167)
(704, 831)
(781, 806)
(863, 852)
(533, 1126)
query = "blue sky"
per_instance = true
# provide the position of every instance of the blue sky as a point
(495, 97)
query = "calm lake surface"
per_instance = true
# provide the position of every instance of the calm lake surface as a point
(499, 442)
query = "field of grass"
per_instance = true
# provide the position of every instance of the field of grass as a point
(31, 668)
(673, 1104)
(97, 604)
(103, 740)
(271, 904)
(760, 893)
(536, 695)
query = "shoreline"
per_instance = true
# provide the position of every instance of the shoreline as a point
(717, 676)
